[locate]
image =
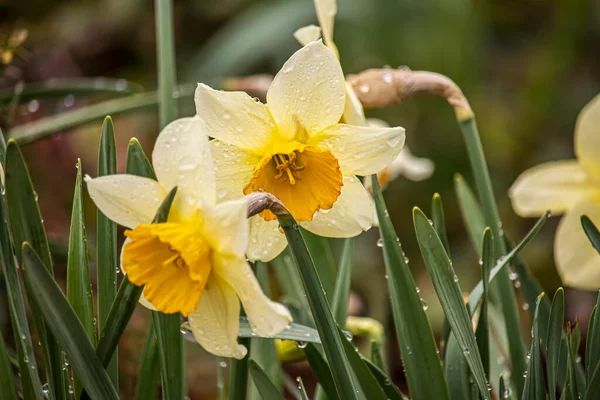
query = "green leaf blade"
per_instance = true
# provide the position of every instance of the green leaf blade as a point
(265, 387)
(341, 292)
(554, 342)
(535, 385)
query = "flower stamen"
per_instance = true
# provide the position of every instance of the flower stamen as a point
(287, 163)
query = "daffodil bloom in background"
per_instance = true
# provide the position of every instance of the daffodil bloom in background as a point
(406, 164)
(194, 263)
(295, 148)
(571, 187)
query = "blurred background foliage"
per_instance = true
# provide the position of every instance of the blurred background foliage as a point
(527, 67)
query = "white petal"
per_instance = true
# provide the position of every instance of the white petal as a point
(555, 186)
(326, 11)
(413, 168)
(234, 118)
(226, 227)
(587, 137)
(351, 214)
(354, 114)
(308, 34)
(577, 261)
(233, 169)
(266, 317)
(361, 150)
(126, 199)
(181, 158)
(143, 301)
(266, 240)
(308, 92)
(216, 322)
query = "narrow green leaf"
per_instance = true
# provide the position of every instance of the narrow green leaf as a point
(593, 386)
(591, 231)
(238, 375)
(63, 323)
(446, 286)
(593, 341)
(58, 87)
(291, 285)
(26, 226)
(535, 385)
(321, 371)
(384, 380)
(341, 293)
(377, 356)
(326, 326)
(319, 250)
(30, 381)
(7, 382)
(456, 370)
(424, 373)
(221, 365)
(571, 390)
(137, 162)
(482, 331)
(503, 390)
(470, 211)
(369, 384)
(149, 373)
(165, 44)
(554, 343)
(79, 285)
(438, 220)
(303, 394)
(265, 387)
(106, 242)
(476, 293)
(294, 331)
(263, 351)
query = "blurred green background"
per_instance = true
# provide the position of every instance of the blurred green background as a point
(527, 67)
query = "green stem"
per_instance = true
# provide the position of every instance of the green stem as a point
(503, 284)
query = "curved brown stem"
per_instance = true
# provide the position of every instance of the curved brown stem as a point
(260, 201)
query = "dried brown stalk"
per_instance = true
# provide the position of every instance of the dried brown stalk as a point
(260, 201)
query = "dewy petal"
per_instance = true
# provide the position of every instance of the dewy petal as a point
(587, 137)
(143, 301)
(577, 261)
(233, 169)
(308, 93)
(181, 158)
(556, 186)
(235, 118)
(226, 227)
(408, 165)
(266, 240)
(126, 199)
(326, 11)
(352, 213)
(354, 114)
(361, 150)
(307, 34)
(266, 317)
(216, 322)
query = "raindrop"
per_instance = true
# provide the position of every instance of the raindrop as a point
(424, 304)
(417, 289)
(348, 335)
(33, 106)
(364, 88)
(380, 242)
(226, 115)
(525, 306)
(45, 388)
(466, 351)
(513, 276)
(456, 278)
(69, 101)
(301, 345)
(223, 364)
(517, 284)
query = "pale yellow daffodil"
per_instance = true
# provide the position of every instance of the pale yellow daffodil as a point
(571, 187)
(406, 164)
(295, 148)
(195, 262)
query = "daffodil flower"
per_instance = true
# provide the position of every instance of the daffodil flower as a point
(571, 187)
(406, 164)
(295, 148)
(194, 263)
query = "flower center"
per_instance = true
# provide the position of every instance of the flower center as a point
(172, 261)
(306, 180)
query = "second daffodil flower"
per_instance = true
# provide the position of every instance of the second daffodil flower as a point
(295, 148)
(194, 263)
(571, 187)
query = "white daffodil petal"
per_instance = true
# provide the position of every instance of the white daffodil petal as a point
(234, 118)
(226, 227)
(233, 169)
(266, 317)
(326, 11)
(361, 150)
(181, 158)
(307, 34)
(410, 166)
(216, 322)
(555, 186)
(587, 137)
(143, 301)
(577, 261)
(308, 93)
(266, 240)
(354, 114)
(352, 213)
(126, 199)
